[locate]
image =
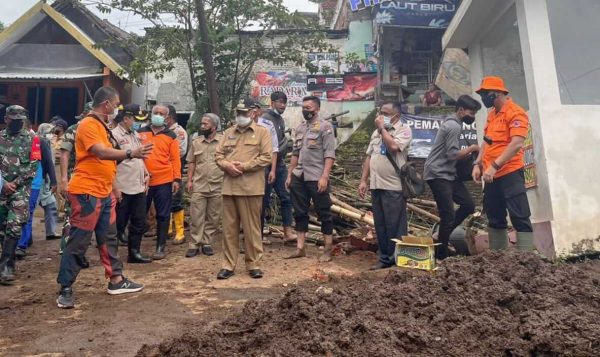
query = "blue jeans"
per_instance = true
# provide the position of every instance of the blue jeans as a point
(26, 239)
(284, 196)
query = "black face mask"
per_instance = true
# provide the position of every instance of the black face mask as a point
(15, 126)
(206, 133)
(467, 119)
(308, 115)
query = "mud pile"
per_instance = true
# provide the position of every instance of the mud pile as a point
(508, 304)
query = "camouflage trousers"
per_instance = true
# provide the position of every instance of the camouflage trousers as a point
(14, 213)
(66, 229)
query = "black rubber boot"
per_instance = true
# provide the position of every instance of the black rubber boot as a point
(162, 229)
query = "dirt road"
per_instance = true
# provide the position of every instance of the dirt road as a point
(179, 294)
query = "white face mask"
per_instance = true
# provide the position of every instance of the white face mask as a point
(243, 121)
(387, 121)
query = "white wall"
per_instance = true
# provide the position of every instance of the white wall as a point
(571, 134)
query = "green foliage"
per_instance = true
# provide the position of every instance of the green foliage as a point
(242, 33)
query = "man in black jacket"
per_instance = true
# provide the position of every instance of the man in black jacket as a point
(278, 106)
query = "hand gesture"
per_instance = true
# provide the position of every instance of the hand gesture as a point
(142, 152)
(176, 187)
(271, 177)
(476, 174)
(9, 188)
(232, 170)
(322, 184)
(362, 190)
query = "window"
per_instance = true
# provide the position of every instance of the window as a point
(501, 53)
(574, 28)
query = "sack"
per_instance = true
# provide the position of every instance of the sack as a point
(464, 167)
(413, 184)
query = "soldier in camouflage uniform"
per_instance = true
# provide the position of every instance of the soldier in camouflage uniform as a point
(19, 155)
(67, 164)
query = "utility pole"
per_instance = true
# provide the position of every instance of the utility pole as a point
(207, 59)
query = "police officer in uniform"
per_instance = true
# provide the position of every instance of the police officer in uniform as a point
(19, 156)
(308, 176)
(501, 165)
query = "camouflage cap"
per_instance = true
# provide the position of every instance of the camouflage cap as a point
(86, 109)
(16, 112)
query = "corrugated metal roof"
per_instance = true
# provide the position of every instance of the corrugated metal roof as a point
(48, 76)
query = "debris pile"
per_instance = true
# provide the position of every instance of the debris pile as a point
(493, 304)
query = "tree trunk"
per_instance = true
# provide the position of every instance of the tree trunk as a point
(207, 59)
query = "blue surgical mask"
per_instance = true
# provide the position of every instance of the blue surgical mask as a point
(137, 125)
(488, 99)
(158, 120)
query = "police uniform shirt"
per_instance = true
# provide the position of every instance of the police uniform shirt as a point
(313, 143)
(383, 175)
(130, 172)
(182, 138)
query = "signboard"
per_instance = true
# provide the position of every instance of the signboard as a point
(530, 171)
(425, 128)
(357, 87)
(324, 82)
(454, 77)
(415, 13)
(293, 84)
(324, 60)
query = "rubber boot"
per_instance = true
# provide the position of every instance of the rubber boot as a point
(7, 260)
(178, 218)
(162, 229)
(133, 247)
(525, 241)
(498, 238)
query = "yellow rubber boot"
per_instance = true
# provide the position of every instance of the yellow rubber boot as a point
(178, 218)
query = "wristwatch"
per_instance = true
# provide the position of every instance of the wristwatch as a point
(128, 153)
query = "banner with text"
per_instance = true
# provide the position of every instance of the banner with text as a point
(324, 82)
(416, 13)
(293, 84)
(424, 129)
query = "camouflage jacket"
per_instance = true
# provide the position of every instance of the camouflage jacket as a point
(19, 157)
(68, 144)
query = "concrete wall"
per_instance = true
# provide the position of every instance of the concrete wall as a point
(566, 203)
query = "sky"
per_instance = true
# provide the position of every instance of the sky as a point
(11, 10)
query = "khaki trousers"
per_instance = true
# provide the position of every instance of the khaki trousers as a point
(205, 218)
(245, 210)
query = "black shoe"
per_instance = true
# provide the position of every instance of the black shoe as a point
(135, 257)
(52, 237)
(7, 276)
(192, 253)
(20, 253)
(159, 254)
(255, 273)
(122, 238)
(207, 250)
(380, 266)
(224, 274)
(65, 298)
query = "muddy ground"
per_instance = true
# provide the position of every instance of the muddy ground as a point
(180, 295)
(494, 304)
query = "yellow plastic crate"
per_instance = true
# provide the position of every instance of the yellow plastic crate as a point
(416, 253)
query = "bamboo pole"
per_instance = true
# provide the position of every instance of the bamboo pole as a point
(423, 202)
(353, 215)
(422, 212)
(344, 205)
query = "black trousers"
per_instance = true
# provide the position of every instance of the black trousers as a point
(446, 193)
(162, 196)
(132, 210)
(302, 193)
(508, 193)
(389, 214)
